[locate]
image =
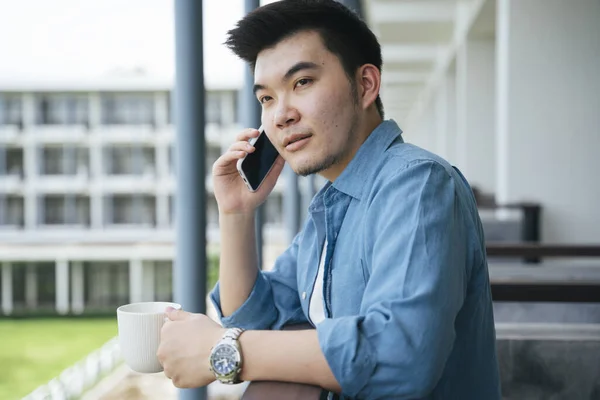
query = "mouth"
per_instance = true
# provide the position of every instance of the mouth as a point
(296, 138)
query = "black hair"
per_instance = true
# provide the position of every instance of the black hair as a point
(342, 31)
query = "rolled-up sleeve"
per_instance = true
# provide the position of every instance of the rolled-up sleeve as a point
(398, 345)
(273, 301)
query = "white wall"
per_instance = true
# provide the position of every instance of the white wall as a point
(445, 117)
(548, 65)
(423, 132)
(475, 90)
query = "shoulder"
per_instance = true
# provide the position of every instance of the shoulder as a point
(405, 166)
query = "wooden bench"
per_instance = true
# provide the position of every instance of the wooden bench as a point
(559, 281)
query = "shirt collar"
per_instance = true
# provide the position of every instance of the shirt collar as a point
(361, 167)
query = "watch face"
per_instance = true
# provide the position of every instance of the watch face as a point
(225, 359)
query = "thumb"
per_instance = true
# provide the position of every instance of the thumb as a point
(176, 315)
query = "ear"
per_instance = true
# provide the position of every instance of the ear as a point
(369, 83)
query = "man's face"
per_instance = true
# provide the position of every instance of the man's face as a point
(309, 110)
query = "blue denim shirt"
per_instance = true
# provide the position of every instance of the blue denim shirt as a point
(406, 289)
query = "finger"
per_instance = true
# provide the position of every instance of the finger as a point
(228, 158)
(242, 146)
(177, 315)
(246, 135)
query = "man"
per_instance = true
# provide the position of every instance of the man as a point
(389, 267)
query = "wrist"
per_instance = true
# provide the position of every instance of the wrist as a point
(237, 217)
(225, 360)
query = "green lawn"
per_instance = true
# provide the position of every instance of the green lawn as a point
(33, 351)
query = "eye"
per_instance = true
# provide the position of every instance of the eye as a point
(303, 82)
(264, 99)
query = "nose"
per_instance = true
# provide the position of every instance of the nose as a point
(286, 115)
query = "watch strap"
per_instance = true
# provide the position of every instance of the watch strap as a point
(232, 334)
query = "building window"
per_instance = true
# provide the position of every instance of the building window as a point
(213, 108)
(62, 109)
(52, 161)
(11, 111)
(64, 160)
(129, 160)
(66, 210)
(128, 109)
(44, 279)
(54, 210)
(12, 211)
(106, 285)
(212, 154)
(12, 162)
(221, 107)
(133, 210)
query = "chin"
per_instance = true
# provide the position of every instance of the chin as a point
(308, 168)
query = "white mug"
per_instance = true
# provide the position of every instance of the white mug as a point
(139, 334)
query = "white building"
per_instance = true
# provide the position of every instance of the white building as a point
(87, 191)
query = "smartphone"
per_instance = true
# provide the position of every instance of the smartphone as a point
(255, 167)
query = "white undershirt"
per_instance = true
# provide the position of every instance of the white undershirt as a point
(316, 309)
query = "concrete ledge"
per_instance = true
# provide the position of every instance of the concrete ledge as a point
(547, 331)
(549, 361)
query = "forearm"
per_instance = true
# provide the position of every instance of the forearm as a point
(286, 356)
(238, 268)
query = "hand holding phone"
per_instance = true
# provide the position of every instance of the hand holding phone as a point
(246, 173)
(255, 166)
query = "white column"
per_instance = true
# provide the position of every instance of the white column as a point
(161, 154)
(30, 156)
(96, 166)
(445, 117)
(162, 209)
(96, 205)
(77, 288)
(30, 161)
(149, 279)
(162, 196)
(475, 119)
(450, 142)
(31, 286)
(423, 134)
(94, 110)
(7, 288)
(28, 111)
(97, 181)
(62, 286)
(160, 109)
(547, 106)
(99, 290)
(31, 205)
(136, 280)
(441, 119)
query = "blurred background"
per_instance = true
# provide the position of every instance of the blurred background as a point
(507, 90)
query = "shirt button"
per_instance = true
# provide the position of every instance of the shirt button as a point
(303, 295)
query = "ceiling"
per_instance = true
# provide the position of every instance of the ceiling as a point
(419, 39)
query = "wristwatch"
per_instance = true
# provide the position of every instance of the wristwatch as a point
(226, 357)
